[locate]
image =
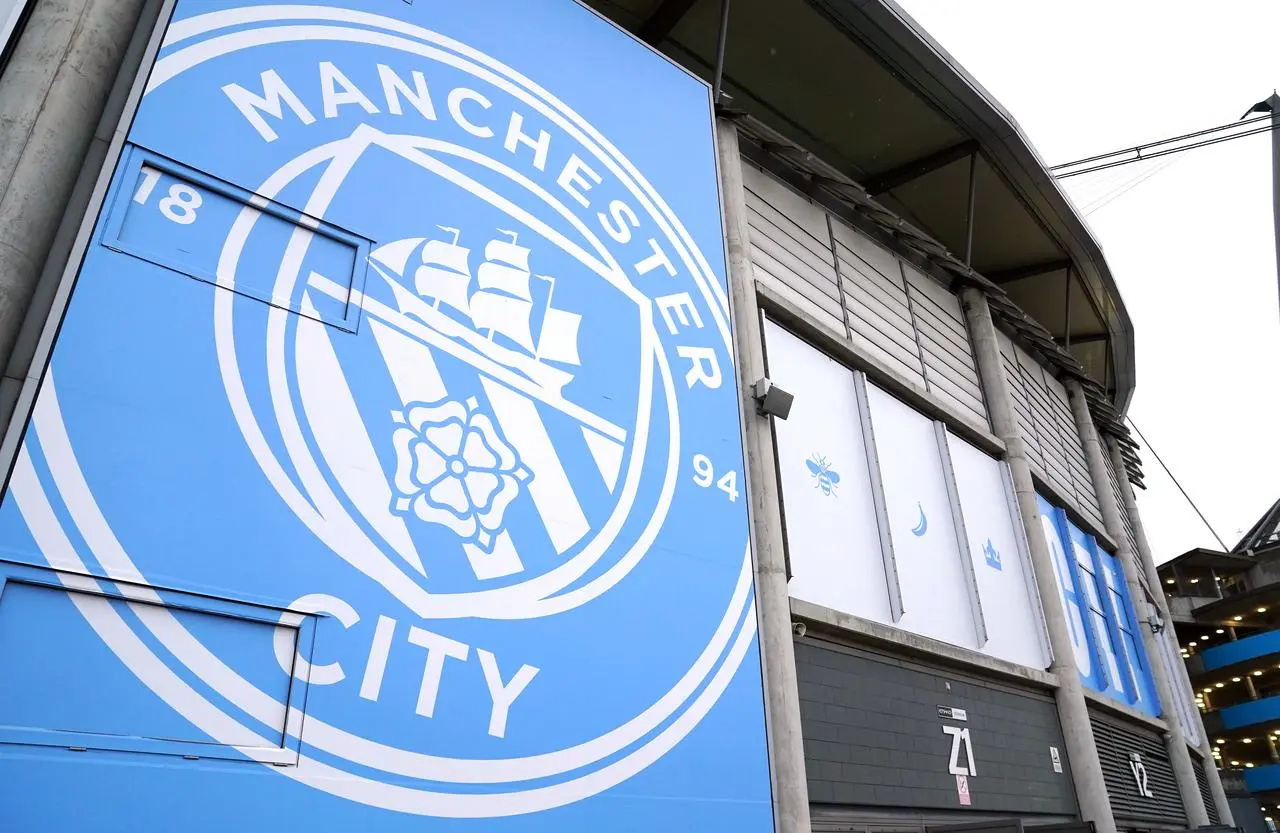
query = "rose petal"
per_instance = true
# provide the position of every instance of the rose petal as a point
(507, 457)
(428, 464)
(446, 438)
(508, 491)
(477, 452)
(420, 414)
(403, 441)
(481, 486)
(464, 527)
(447, 493)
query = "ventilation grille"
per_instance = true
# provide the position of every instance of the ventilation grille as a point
(1115, 745)
(889, 310)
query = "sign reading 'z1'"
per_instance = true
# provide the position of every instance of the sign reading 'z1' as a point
(388, 462)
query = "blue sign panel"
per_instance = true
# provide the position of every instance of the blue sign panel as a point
(1108, 646)
(386, 473)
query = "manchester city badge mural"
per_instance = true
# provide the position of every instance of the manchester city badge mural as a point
(387, 469)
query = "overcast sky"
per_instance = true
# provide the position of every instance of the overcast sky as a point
(1191, 245)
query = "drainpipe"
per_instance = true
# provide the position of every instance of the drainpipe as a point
(1077, 731)
(782, 694)
(1148, 564)
(52, 95)
(1174, 739)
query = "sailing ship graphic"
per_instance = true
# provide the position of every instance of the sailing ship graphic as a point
(501, 321)
(502, 310)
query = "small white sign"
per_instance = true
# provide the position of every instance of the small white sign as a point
(962, 790)
(952, 713)
(1057, 759)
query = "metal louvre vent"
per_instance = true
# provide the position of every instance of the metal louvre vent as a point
(1124, 515)
(1202, 782)
(888, 309)
(1116, 744)
(1054, 447)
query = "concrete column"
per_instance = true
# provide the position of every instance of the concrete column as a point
(1175, 740)
(1153, 578)
(52, 95)
(782, 695)
(1077, 731)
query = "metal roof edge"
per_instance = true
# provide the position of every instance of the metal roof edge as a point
(941, 78)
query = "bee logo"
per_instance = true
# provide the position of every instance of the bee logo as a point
(820, 468)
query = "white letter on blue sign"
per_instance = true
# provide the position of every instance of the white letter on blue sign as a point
(274, 93)
(393, 86)
(439, 648)
(503, 695)
(331, 80)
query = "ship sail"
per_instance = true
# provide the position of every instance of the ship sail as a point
(445, 273)
(558, 341)
(504, 314)
(506, 268)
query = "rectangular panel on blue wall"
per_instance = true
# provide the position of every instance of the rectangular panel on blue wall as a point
(1104, 627)
(935, 594)
(1009, 607)
(832, 534)
(1064, 575)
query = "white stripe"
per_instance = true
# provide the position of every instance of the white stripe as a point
(413, 369)
(503, 561)
(607, 454)
(550, 488)
(341, 434)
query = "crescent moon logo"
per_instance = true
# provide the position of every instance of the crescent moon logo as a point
(923, 526)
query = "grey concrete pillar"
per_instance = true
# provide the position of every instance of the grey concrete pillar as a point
(1175, 740)
(1153, 578)
(782, 695)
(52, 95)
(1086, 768)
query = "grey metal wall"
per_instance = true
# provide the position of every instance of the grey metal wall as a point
(873, 736)
(885, 307)
(1202, 783)
(1054, 447)
(1117, 740)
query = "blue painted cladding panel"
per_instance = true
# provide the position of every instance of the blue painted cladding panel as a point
(404, 326)
(1263, 778)
(1242, 650)
(1108, 662)
(1247, 714)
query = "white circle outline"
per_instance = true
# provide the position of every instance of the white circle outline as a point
(487, 805)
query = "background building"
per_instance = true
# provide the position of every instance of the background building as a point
(953, 593)
(1222, 605)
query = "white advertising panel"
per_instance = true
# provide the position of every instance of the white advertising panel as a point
(832, 535)
(935, 592)
(1004, 578)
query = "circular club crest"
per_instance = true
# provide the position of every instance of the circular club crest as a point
(488, 372)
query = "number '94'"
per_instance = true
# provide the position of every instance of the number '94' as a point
(704, 474)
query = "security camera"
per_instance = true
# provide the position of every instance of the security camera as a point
(799, 628)
(771, 400)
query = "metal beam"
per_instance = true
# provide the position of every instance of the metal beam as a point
(917, 168)
(1092, 338)
(1029, 271)
(664, 18)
